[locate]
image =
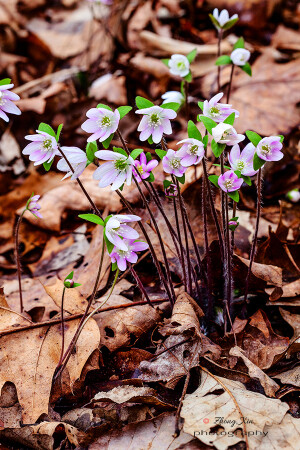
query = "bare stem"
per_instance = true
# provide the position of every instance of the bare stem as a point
(18, 259)
(140, 285)
(207, 253)
(220, 35)
(230, 83)
(62, 328)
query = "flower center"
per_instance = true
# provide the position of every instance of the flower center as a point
(240, 165)
(140, 169)
(228, 184)
(175, 163)
(214, 111)
(154, 120)
(121, 164)
(193, 149)
(266, 149)
(2, 100)
(180, 65)
(105, 122)
(47, 145)
(125, 253)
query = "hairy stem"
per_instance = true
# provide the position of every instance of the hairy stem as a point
(220, 35)
(207, 252)
(18, 259)
(140, 285)
(230, 83)
(62, 327)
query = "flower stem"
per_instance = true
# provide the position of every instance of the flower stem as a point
(180, 244)
(207, 252)
(62, 328)
(230, 83)
(220, 35)
(18, 259)
(254, 242)
(140, 285)
(232, 231)
(186, 93)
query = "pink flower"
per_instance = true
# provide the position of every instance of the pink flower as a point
(224, 133)
(115, 172)
(116, 229)
(191, 152)
(77, 159)
(122, 256)
(229, 181)
(42, 149)
(218, 111)
(242, 161)
(142, 168)
(101, 122)
(6, 104)
(34, 207)
(156, 122)
(269, 148)
(171, 190)
(172, 164)
(233, 223)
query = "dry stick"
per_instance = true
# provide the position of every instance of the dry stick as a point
(62, 328)
(17, 258)
(252, 253)
(177, 417)
(234, 401)
(140, 285)
(156, 262)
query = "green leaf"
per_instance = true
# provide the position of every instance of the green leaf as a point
(192, 55)
(47, 165)
(92, 218)
(240, 43)
(136, 152)
(123, 110)
(59, 128)
(181, 179)
(47, 129)
(281, 138)
(90, 149)
(214, 180)
(120, 150)
(188, 77)
(223, 60)
(107, 219)
(214, 21)
(205, 140)
(172, 105)
(230, 119)
(225, 167)
(151, 178)
(234, 195)
(114, 266)
(101, 105)
(5, 81)
(165, 61)
(107, 141)
(238, 173)
(142, 103)
(235, 218)
(207, 122)
(76, 284)
(182, 90)
(70, 276)
(200, 104)
(160, 153)
(247, 68)
(247, 179)
(167, 183)
(148, 156)
(193, 131)
(253, 137)
(257, 162)
(150, 140)
(230, 24)
(217, 148)
(109, 245)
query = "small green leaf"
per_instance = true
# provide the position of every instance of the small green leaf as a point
(107, 141)
(223, 60)
(181, 179)
(235, 218)
(230, 119)
(76, 284)
(114, 266)
(188, 77)
(143, 103)
(165, 61)
(217, 148)
(151, 178)
(182, 88)
(281, 138)
(101, 105)
(123, 110)
(92, 218)
(230, 24)
(253, 137)
(148, 156)
(160, 153)
(238, 173)
(70, 276)
(5, 81)
(90, 149)
(167, 183)
(207, 122)
(172, 105)
(150, 140)
(200, 104)
(205, 140)
(247, 179)
(47, 129)
(59, 128)
(257, 162)
(120, 150)
(47, 165)
(192, 55)
(214, 180)
(193, 131)
(247, 68)
(234, 195)
(225, 167)
(136, 152)
(214, 21)
(240, 43)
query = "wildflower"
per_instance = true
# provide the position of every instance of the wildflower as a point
(34, 207)
(143, 169)
(122, 256)
(269, 148)
(155, 122)
(6, 104)
(171, 190)
(116, 229)
(77, 158)
(173, 97)
(42, 149)
(242, 161)
(233, 223)
(116, 171)
(240, 56)
(223, 17)
(218, 111)
(229, 181)
(179, 65)
(172, 163)
(191, 152)
(294, 195)
(101, 122)
(224, 133)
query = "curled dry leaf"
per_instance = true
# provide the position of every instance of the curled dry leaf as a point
(222, 419)
(268, 273)
(288, 291)
(290, 376)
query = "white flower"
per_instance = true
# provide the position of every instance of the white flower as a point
(179, 65)
(294, 195)
(116, 171)
(155, 122)
(224, 133)
(101, 123)
(173, 97)
(223, 17)
(77, 158)
(116, 229)
(6, 102)
(240, 56)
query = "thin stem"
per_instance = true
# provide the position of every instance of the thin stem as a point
(62, 328)
(18, 259)
(186, 93)
(223, 199)
(254, 242)
(180, 244)
(207, 252)
(228, 278)
(232, 231)
(220, 35)
(230, 83)
(140, 285)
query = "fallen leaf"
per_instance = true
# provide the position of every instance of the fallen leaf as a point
(290, 376)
